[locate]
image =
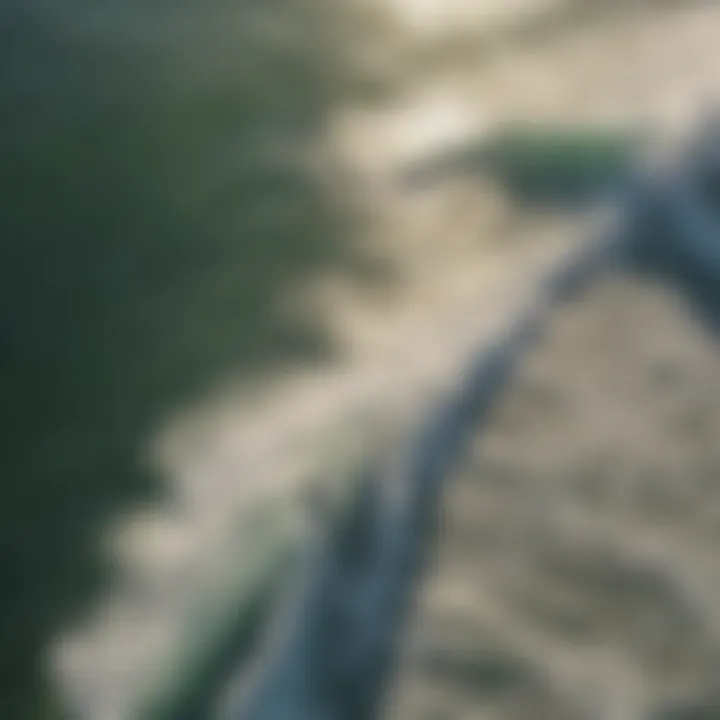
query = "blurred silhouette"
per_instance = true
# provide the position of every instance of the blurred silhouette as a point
(158, 191)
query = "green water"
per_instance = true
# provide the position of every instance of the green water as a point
(151, 212)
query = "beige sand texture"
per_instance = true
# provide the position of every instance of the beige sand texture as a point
(576, 572)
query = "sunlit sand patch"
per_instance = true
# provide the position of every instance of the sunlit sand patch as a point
(436, 17)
